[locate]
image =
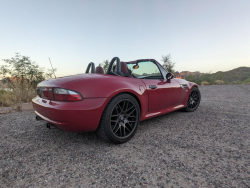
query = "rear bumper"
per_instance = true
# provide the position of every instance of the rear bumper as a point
(81, 116)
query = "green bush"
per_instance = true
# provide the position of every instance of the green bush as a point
(247, 81)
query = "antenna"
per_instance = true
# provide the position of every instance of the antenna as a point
(52, 67)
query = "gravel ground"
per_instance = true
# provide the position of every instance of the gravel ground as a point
(207, 148)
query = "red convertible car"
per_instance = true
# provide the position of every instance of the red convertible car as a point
(113, 103)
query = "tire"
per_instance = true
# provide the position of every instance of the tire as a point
(120, 119)
(194, 99)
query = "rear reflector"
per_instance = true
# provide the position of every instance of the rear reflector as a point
(66, 95)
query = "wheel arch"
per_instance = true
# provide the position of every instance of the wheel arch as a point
(192, 85)
(130, 93)
(136, 98)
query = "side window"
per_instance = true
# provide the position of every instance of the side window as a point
(145, 70)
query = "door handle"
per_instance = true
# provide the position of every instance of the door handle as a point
(152, 86)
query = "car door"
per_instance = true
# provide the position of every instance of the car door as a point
(162, 93)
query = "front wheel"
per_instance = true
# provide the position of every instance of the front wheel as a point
(120, 119)
(193, 100)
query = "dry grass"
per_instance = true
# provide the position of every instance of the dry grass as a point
(205, 83)
(16, 95)
(219, 82)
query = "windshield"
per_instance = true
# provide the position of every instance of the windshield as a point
(144, 69)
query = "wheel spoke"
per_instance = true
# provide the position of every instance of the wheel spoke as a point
(196, 95)
(130, 125)
(117, 129)
(124, 104)
(131, 112)
(116, 108)
(120, 108)
(130, 108)
(121, 131)
(195, 98)
(127, 128)
(124, 131)
(131, 121)
(127, 106)
(115, 126)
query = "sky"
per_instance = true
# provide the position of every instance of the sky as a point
(200, 35)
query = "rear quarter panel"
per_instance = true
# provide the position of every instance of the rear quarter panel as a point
(108, 86)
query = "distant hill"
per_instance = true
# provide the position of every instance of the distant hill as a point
(236, 76)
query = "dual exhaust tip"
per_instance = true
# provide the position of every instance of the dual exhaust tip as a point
(48, 125)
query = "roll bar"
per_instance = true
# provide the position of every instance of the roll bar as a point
(117, 68)
(92, 65)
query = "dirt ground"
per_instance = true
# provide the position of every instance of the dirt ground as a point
(207, 148)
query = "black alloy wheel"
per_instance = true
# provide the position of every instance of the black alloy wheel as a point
(120, 119)
(123, 118)
(193, 100)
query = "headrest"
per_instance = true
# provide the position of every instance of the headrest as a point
(99, 70)
(124, 67)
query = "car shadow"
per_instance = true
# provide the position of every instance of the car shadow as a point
(61, 137)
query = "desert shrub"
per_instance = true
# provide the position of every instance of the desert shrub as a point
(247, 81)
(5, 99)
(219, 82)
(205, 83)
(21, 75)
(201, 78)
(233, 83)
(193, 78)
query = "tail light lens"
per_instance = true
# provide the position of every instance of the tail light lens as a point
(66, 95)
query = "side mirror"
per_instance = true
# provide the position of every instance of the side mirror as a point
(169, 76)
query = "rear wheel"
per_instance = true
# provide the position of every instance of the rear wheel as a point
(120, 119)
(193, 100)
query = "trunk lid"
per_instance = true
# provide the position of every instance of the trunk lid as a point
(45, 88)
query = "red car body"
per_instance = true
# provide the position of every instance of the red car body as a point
(98, 89)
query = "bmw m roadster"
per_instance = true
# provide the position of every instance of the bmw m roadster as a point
(113, 103)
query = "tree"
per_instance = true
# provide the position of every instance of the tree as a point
(104, 65)
(168, 64)
(22, 69)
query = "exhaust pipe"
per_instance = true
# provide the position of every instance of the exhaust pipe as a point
(38, 118)
(50, 126)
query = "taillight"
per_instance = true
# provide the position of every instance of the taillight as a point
(66, 95)
(45, 92)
